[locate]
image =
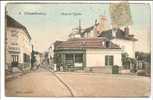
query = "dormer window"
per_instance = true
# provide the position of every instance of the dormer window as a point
(106, 44)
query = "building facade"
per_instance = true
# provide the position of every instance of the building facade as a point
(18, 45)
(81, 53)
(122, 38)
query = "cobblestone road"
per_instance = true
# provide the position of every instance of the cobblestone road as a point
(45, 83)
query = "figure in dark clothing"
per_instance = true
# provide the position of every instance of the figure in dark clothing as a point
(48, 61)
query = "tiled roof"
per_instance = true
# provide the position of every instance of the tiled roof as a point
(120, 34)
(13, 23)
(87, 43)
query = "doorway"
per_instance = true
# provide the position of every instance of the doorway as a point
(15, 60)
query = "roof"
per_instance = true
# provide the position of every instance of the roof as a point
(120, 34)
(96, 43)
(13, 23)
(57, 43)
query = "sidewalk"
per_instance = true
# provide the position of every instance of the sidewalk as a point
(14, 74)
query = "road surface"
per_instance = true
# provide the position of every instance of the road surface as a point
(68, 84)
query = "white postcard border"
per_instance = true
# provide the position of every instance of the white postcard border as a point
(2, 92)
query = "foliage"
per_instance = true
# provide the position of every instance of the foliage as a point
(141, 73)
(120, 14)
(24, 66)
(127, 61)
(143, 56)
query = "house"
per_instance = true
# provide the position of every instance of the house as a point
(122, 38)
(90, 32)
(51, 55)
(18, 46)
(38, 58)
(96, 29)
(82, 53)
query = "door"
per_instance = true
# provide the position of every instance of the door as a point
(15, 60)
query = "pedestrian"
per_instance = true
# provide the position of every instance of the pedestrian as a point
(37, 64)
(55, 67)
(61, 67)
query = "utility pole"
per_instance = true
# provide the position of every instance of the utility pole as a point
(80, 28)
(32, 58)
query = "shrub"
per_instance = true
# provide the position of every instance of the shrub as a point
(141, 73)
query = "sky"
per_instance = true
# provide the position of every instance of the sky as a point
(54, 21)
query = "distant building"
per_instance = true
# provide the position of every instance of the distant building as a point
(38, 57)
(81, 53)
(51, 54)
(90, 32)
(18, 46)
(122, 38)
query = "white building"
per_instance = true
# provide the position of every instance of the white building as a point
(18, 46)
(123, 39)
(87, 53)
(98, 57)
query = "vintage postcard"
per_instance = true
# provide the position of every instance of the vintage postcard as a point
(77, 49)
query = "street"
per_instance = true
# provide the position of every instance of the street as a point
(78, 84)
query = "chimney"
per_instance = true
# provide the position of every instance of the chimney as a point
(114, 31)
(96, 22)
(103, 43)
(106, 44)
(126, 31)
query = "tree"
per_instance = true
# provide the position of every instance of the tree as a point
(141, 56)
(125, 60)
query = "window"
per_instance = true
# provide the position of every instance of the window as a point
(78, 58)
(14, 43)
(108, 44)
(69, 56)
(109, 60)
(15, 59)
(69, 59)
(14, 33)
(26, 58)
